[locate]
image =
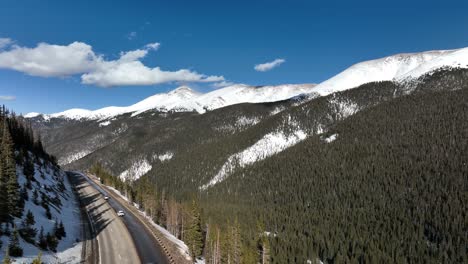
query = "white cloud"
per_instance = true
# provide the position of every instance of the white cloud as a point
(4, 42)
(7, 98)
(131, 35)
(269, 65)
(48, 60)
(153, 46)
(78, 58)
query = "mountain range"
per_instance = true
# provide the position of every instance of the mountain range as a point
(360, 167)
(399, 68)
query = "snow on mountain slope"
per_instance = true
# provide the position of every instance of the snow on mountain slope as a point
(400, 67)
(138, 169)
(184, 99)
(397, 67)
(267, 146)
(241, 93)
(173, 100)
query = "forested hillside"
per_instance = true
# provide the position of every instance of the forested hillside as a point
(374, 174)
(35, 198)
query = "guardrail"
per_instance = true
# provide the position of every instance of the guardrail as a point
(131, 209)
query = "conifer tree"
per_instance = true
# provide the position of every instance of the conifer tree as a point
(194, 233)
(28, 232)
(9, 172)
(42, 240)
(14, 246)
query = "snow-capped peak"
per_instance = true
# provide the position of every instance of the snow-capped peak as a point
(32, 115)
(397, 68)
(184, 99)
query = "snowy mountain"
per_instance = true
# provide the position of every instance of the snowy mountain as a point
(400, 67)
(184, 99)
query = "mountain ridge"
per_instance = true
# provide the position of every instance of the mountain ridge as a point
(399, 67)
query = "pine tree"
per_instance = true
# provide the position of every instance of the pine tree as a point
(14, 246)
(42, 240)
(9, 171)
(194, 233)
(28, 232)
(28, 170)
(236, 242)
(3, 192)
(52, 242)
(61, 230)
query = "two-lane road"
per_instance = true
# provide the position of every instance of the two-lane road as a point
(114, 241)
(121, 239)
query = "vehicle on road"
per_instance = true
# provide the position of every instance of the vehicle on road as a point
(106, 197)
(120, 213)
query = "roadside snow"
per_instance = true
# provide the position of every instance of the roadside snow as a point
(181, 246)
(269, 145)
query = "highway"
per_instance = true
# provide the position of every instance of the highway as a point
(120, 239)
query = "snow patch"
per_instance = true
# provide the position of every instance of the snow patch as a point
(247, 121)
(331, 138)
(344, 108)
(269, 145)
(73, 157)
(138, 169)
(105, 123)
(32, 115)
(164, 157)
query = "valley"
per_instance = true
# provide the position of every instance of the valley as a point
(325, 174)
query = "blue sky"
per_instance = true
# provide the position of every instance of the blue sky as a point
(211, 38)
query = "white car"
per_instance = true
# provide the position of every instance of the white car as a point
(120, 213)
(106, 197)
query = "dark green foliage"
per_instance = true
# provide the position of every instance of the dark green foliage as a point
(27, 231)
(60, 231)
(392, 188)
(52, 242)
(194, 238)
(42, 240)
(14, 247)
(28, 170)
